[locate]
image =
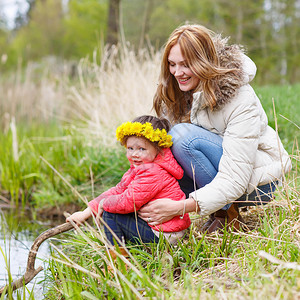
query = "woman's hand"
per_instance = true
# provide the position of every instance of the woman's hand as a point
(163, 210)
(160, 211)
(80, 216)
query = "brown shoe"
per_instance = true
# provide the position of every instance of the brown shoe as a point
(234, 218)
(219, 222)
(229, 218)
(207, 224)
(113, 254)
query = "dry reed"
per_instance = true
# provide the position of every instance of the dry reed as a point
(98, 95)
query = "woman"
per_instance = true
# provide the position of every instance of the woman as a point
(221, 137)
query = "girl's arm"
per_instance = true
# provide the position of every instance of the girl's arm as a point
(116, 190)
(80, 216)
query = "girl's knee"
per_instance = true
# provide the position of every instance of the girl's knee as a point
(107, 216)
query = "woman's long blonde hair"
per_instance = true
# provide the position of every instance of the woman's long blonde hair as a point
(200, 54)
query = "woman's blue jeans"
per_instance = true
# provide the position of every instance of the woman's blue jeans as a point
(199, 151)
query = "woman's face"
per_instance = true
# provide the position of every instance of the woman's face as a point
(186, 79)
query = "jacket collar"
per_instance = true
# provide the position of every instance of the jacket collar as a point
(227, 85)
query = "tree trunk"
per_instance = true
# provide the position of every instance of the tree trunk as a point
(113, 22)
(146, 21)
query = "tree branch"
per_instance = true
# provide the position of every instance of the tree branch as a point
(31, 272)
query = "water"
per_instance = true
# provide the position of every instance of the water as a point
(17, 233)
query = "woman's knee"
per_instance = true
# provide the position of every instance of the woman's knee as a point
(180, 132)
(189, 135)
(181, 135)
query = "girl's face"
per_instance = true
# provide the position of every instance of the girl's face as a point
(186, 79)
(140, 150)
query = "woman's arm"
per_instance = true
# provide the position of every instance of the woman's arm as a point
(163, 210)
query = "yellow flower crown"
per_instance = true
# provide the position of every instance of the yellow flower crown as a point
(146, 130)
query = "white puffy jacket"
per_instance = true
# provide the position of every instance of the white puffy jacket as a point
(253, 154)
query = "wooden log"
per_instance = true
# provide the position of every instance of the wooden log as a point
(31, 272)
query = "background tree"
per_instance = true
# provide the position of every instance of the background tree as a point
(42, 35)
(85, 25)
(268, 28)
(22, 17)
(113, 26)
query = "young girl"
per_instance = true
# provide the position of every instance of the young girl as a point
(153, 174)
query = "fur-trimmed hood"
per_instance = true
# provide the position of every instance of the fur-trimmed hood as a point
(231, 57)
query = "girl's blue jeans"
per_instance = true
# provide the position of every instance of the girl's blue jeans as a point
(127, 227)
(199, 151)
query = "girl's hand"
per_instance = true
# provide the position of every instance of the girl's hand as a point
(80, 216)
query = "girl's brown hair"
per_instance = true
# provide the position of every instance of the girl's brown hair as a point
(157, 123)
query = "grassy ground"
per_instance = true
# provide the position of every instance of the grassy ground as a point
(260, 263)
(53, 123)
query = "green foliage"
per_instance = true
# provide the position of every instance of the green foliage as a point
(268, 30)
(29, 180)
(85, 27)
(52, 31)
(42, 36)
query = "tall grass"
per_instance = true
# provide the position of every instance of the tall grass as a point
(28, 180)
(286, 100)
(263, 262)
(100, 95)
(69, 117)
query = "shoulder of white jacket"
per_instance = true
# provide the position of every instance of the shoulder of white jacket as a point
(249, 68)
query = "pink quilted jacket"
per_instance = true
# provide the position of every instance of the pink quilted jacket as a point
(145, 183)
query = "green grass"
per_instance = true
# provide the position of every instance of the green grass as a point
(27, 180)
(261, 263)
(286, 102)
